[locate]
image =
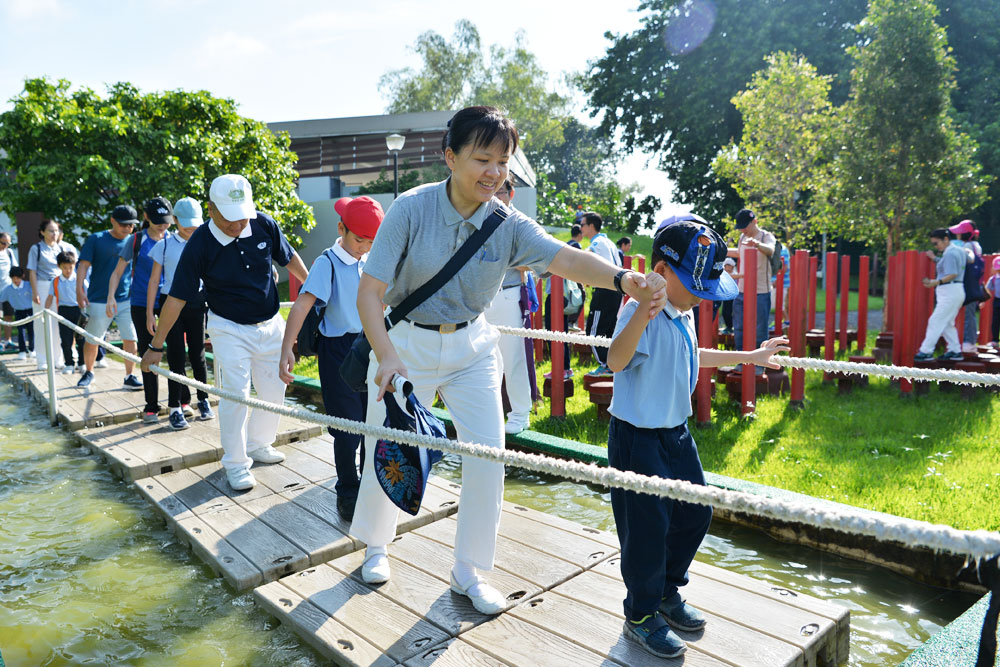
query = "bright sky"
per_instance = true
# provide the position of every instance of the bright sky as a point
(288, 59)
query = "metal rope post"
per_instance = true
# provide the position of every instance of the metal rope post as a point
(50, 367)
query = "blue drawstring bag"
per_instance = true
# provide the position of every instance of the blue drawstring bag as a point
(403, 470)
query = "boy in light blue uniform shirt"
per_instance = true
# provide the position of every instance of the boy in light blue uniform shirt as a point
(18, 295)
(62, 291)
(333, 285)
(660, 358)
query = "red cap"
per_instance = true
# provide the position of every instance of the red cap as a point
(361, 215)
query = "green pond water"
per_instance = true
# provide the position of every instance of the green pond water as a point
(90, 575)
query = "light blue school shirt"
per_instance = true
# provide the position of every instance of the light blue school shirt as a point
(334, 279)
(19, 297)
(167, 252)
(67, 289)
(143, 267)
(953, 260)
(654, 389)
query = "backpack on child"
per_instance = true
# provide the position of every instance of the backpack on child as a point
(775, 258)
(974, 292)
(574, 297)
(307, 342)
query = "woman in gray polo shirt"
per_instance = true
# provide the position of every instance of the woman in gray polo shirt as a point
(445, 344)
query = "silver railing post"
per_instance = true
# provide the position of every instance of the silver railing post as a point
(50, 367)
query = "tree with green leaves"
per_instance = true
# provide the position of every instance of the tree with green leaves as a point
(74, 154)
(782, 156)
(903, 166)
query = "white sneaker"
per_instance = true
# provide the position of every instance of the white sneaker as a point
(241, 479)
(969, 347)
(376, 569)
(81, 368)
(31, 354)
(67, 370)
(486, 599)
(515, 424)
(101, 363)
(21, 356)
(266, 454)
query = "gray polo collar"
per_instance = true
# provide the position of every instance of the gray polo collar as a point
(453, 217)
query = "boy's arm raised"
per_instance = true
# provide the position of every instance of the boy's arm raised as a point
(623, 345)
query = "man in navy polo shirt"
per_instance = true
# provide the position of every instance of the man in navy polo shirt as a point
(232, 255)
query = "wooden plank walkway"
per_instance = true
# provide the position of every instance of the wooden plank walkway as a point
(564, 586)
(135, 450)
(105, 401)
(285, 524)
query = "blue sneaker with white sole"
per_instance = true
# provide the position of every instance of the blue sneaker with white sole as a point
(680, 615)
(654, 635)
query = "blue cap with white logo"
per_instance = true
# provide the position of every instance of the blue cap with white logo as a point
(697, 253)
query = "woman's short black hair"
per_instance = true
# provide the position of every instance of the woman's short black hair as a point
(941, 233)
(480, 126)
(575, 231)
(625, 240)
(45, 223)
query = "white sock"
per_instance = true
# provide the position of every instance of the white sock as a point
(173, 410)
(464, 572)
(375, 551)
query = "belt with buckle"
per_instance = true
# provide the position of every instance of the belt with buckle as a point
(510, 286)
(447, 328)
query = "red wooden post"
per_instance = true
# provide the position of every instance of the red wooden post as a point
(749, 377)
(863, 269)
(798, 320)
(779, 298)
(813, 268)
(538, 321)
(703, 390)
(910, 297)
(558, 406)
(889, 325)
(898, 310)
(845, 295)
(642, 264)
(830, 318)
(293, 287)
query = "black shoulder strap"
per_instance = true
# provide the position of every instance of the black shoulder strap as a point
(458, 260)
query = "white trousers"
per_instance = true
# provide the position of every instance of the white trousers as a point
(505, 310)
(246, 354)
(464, 368)
(39, 326)
(948, 301)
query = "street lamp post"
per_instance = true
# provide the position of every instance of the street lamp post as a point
(394, 142)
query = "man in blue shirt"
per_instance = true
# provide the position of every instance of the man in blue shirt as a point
(232, 255)
(99, 255)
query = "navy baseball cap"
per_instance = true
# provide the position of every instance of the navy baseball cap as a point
(159, 210)
(125, 214)
(744, 218)
(696, 253)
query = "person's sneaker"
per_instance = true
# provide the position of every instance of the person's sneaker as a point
(376, 569)
(205, 411)
(923, 356)
(654, 635)
(345, 508)
(67, 370)
(486, 599)
(969, 347)
(682, 616)
(101, 363)
(240, 479)
(177, 421)
(266, 454)
(80, 368)
(132, 383)
(952, 356)
(515, 424)
(188, 412)
(32, 355)
(601, 371)
(85, 379)
(150, 417)
(21, 356)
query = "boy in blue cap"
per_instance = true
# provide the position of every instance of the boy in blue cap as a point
(659, 357)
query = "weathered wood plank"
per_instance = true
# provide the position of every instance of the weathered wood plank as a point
(599, 631)
(577, 549)
(721, 638)
(396, 631)
(518, 642)
(319, 501)
(218, 553)
(306, 465)
(197, 494)
(327, 635)
(602, 536)
(315, 537)
(453, 653)
(163, 501)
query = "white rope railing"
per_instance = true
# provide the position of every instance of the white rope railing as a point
(22, 322)
(976, 544)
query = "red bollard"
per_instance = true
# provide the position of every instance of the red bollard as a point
(294, 284)
(813, 268)
(642, 264)
(910, 297)
(798, 320)
(845, 294)
(558, 406)
(898, 321)
(748, 372)
(830, 319)
(703, 390)
(863, 269)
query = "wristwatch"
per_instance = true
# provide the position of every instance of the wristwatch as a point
(618, 280)
(154, 349)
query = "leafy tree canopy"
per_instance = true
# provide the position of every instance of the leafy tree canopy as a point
(74, 154)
